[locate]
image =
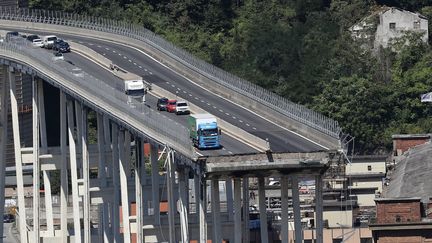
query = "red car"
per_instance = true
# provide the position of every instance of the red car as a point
(171, 106)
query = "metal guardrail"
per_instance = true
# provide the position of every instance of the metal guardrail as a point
(277, 103)
(149, 118)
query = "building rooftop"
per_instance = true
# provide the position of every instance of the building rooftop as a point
(411, 177)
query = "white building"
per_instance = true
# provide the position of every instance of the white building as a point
(388, 23)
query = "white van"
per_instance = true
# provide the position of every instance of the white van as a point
(48, 41)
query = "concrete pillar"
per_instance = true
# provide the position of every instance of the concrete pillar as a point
(237, 211)
(155, 182)
(197, 182)
(262, 210)
(229, 198)
(202, 208)
(102, 177)
(319, 208)
(284, 208)
(3, 135)
(183, 207)
(170, 191)
(63, 170)
(36, 164)
(43, 150)
(139, 166)
(215, 204)
(74, 172)
(124, 161)
(82, 116)
(116, 183)
(298, 232)
(18, 158)
(246, 231)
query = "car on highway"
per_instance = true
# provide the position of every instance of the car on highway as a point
(48, 41)
(37, 43)
(171, 106)
(162, 104)
(58, 56)
(182, 107)
(33, 37)
(61, 46)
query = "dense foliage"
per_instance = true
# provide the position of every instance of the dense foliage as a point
(300, 49)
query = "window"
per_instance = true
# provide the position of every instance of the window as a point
(337, 240)
(392, 26)
(416, 24)
(369, 167)
(398, 218)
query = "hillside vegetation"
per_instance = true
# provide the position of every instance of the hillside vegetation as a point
(300, 49)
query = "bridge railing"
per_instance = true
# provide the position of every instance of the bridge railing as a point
(167, 130)
(277, 103)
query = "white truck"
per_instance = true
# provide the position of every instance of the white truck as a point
(134, 86)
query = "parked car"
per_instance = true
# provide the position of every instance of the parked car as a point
(171, 106)
(61, 46)
(58, 56)
(162, 104)
(37, 43)
(8, 218)
(33, 37)
(182, 107)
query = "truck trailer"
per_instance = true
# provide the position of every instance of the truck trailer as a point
(134, 86)
(204, 131)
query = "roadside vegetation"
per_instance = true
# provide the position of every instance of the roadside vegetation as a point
(300, 49)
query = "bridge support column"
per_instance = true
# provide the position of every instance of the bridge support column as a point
(3, 136)
(319, 208)
(215, 204)
(155, 182)
(74, 172)
(284, 208)
(116, 183)
(183, 206)
(139, 170)
(18, 157)
(298, 232)
(202, 206)
(36, 165)
(104, 220)
(246, 231)
(170, 191)
(124, 138)
(229, 198)
(81, 114)
(237, 211)
(262, 210)
(64, 168)
(43, 150)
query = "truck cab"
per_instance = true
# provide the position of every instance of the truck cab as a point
(204, 131)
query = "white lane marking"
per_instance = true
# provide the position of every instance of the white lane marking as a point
(178, 89)
(125, 57)
(196, 98)
(99, 46)
(214, 107)
(202, 101)
(190, 95)
(91, 44)
(135, 63)
(106, 48)
(120, 54)
(130, 60)
(114, 51)
(230, 152)
(184, 92)
(223, 148)
(208, 104)
(199, 153)
(221, 110)
(139, 66)
(167, 82)
(172, 85)
(227, 114)
(145, 69)
(247, 124)
(80, 42)
(103, 54)
(150, 73)
(234, 117)
(240, 121)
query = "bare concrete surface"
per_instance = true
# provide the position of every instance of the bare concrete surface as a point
(8, 233)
